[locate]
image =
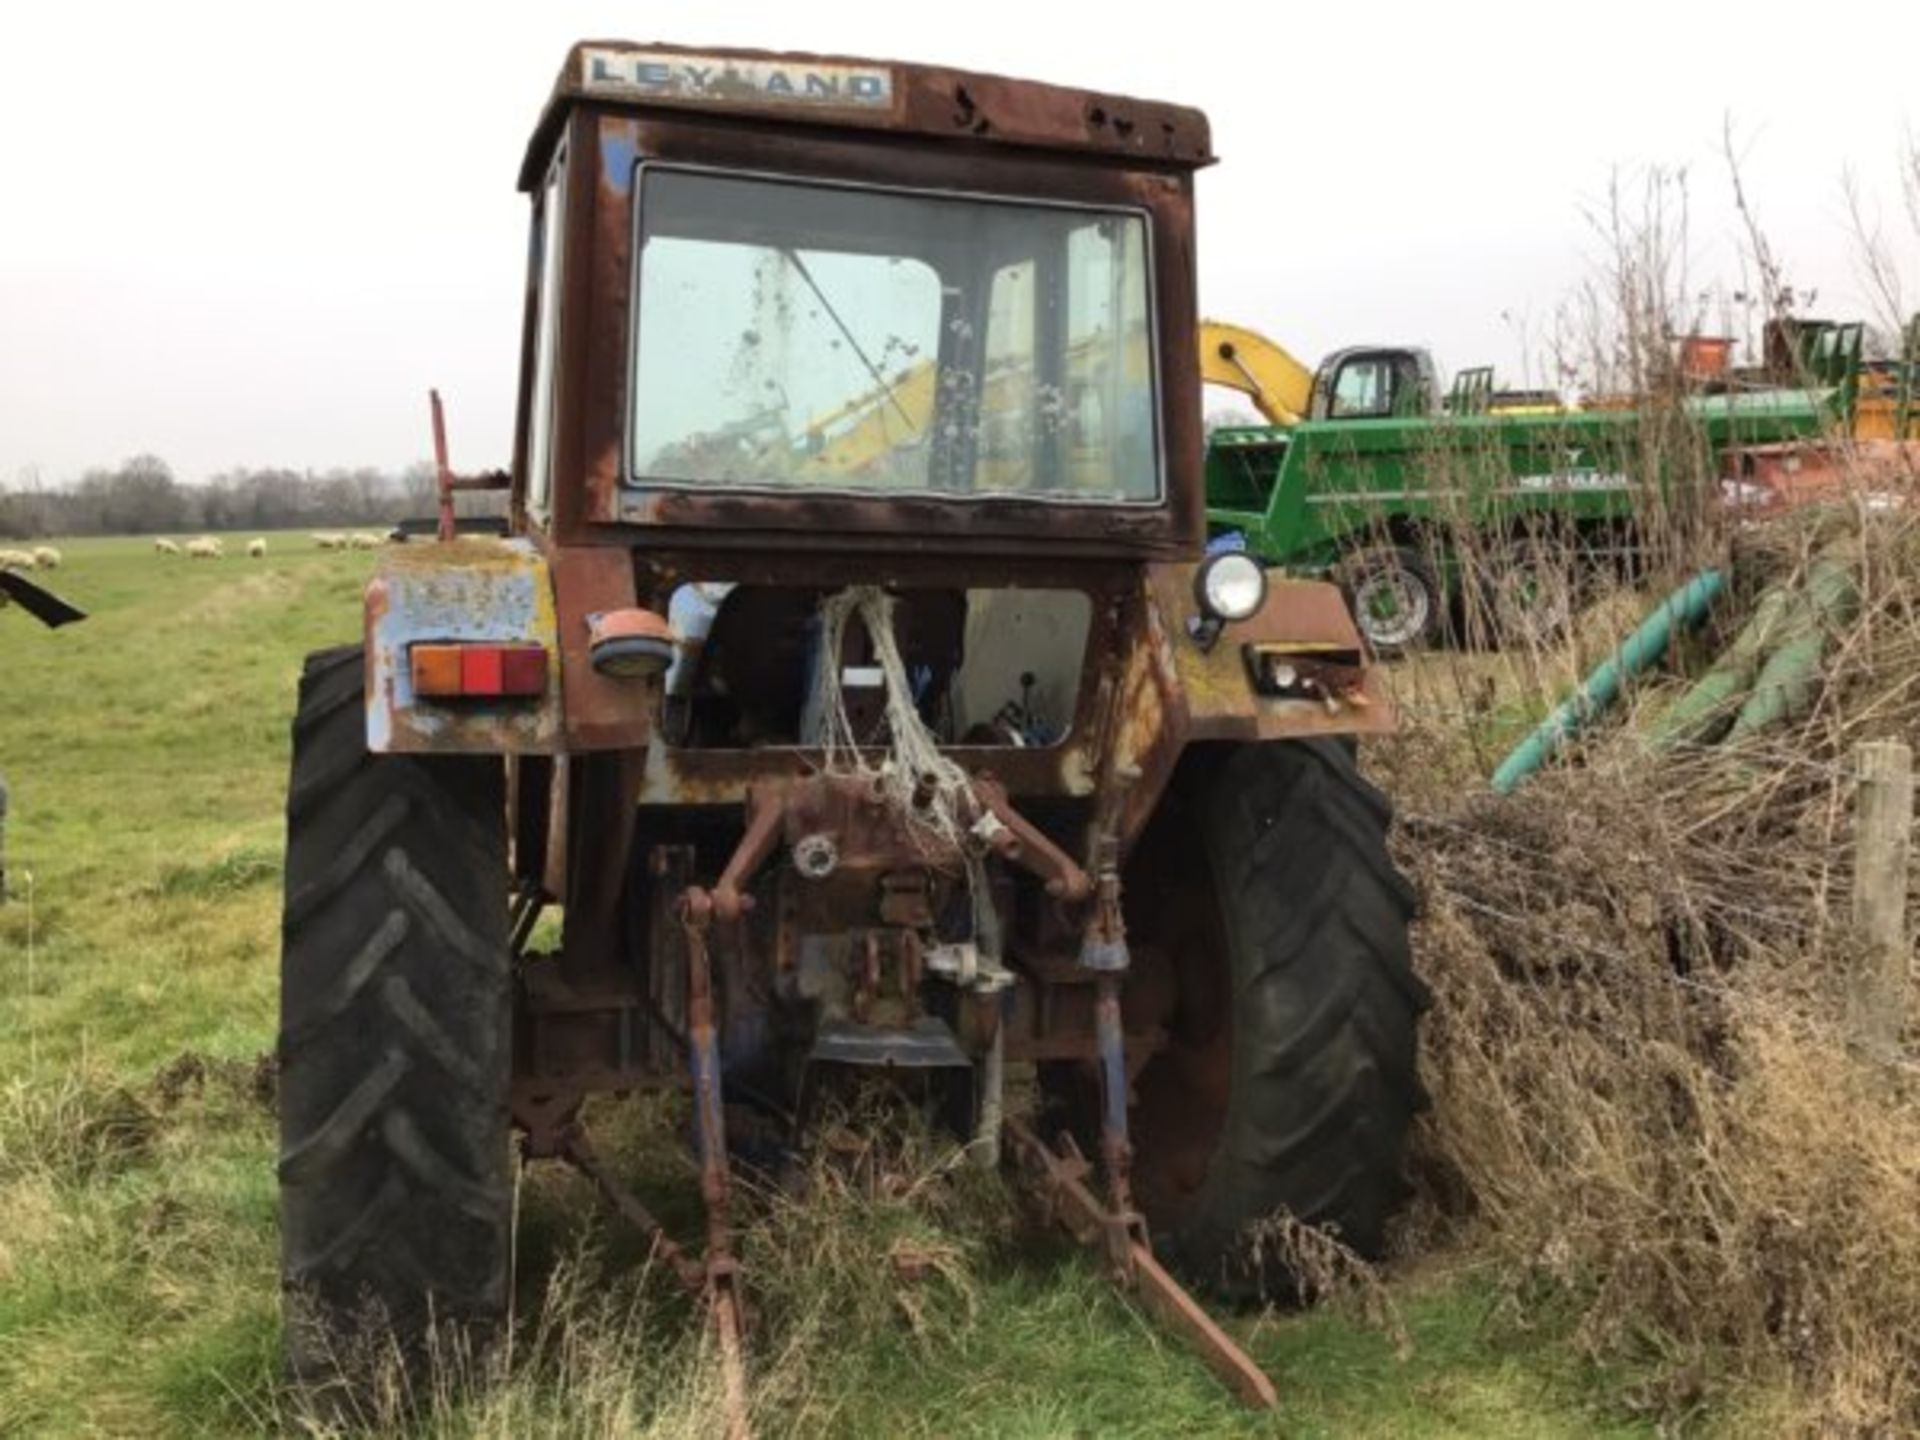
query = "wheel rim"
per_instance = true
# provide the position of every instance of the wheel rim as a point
(1393, 607)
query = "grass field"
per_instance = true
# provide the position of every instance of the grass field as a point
(146, 749)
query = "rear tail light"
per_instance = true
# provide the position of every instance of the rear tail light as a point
(481, 671)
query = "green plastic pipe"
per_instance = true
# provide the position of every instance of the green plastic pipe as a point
(1684, 607)
(1784, 688)
(1703, 714)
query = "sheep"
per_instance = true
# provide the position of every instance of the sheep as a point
(164, 546)
(361, 540)
(16, 560)
(329, 540)
(205, 548)
(46, 557)
(256, 548)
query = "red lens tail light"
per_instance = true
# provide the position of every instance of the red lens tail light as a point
(523, 670)
(481, 670)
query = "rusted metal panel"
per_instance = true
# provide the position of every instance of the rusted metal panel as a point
(822, 522)
(1882, 474)
(1172, 692)
(1218, 695)
(600, 400)
(688, 776)
(722, 776)
(459, 590)
(1175, 693)
(793, 88)
(523, 393)
(1149, 728)
(602, 712)
(681, 776)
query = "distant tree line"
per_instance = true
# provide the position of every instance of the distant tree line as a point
(141, 496)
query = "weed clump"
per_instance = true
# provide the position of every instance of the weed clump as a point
(879, 1233)
(885, 1227)
(1646, 1096)
(225, 875)
(72, 1127)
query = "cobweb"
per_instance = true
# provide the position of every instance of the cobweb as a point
(933, 793)
(924, 785)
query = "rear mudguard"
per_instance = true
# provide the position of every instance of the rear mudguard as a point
(478, 589)
(458, 590)
(1176, 690)
(1217, 696)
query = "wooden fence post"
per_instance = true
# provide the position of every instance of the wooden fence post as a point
(1882, 847)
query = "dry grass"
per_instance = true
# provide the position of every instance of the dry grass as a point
(1645, 1095)
(599, 1358)
(1324, 1270)
(1648, 1103)
(883, 1232)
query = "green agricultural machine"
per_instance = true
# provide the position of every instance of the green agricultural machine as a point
(1384, 497)
(853, 681)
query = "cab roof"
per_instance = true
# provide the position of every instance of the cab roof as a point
(847, 93)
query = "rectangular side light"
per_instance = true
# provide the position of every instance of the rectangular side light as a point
(523, 670)
(482, 670)
(479, 670)
(436, 670)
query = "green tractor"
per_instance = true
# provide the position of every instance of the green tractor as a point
(1395, 499)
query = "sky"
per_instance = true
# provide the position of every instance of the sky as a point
(248, 235)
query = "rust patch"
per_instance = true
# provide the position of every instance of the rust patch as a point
(935, 102)
(467, 552)
(1220, 700)
(602, 712)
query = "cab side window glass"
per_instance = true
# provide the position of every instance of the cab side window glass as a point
(548, 245)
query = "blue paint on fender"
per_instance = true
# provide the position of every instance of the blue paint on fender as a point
(468, 590)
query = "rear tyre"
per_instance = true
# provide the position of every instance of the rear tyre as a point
(1290, 1082)
(1395, 597)
(395, 1184)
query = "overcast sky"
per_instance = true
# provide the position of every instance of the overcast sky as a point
(255, 234)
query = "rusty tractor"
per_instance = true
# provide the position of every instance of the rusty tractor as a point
(852, 677)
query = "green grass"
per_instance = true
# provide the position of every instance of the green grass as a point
(146, 749)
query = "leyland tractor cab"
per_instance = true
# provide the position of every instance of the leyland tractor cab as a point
(854, 685)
